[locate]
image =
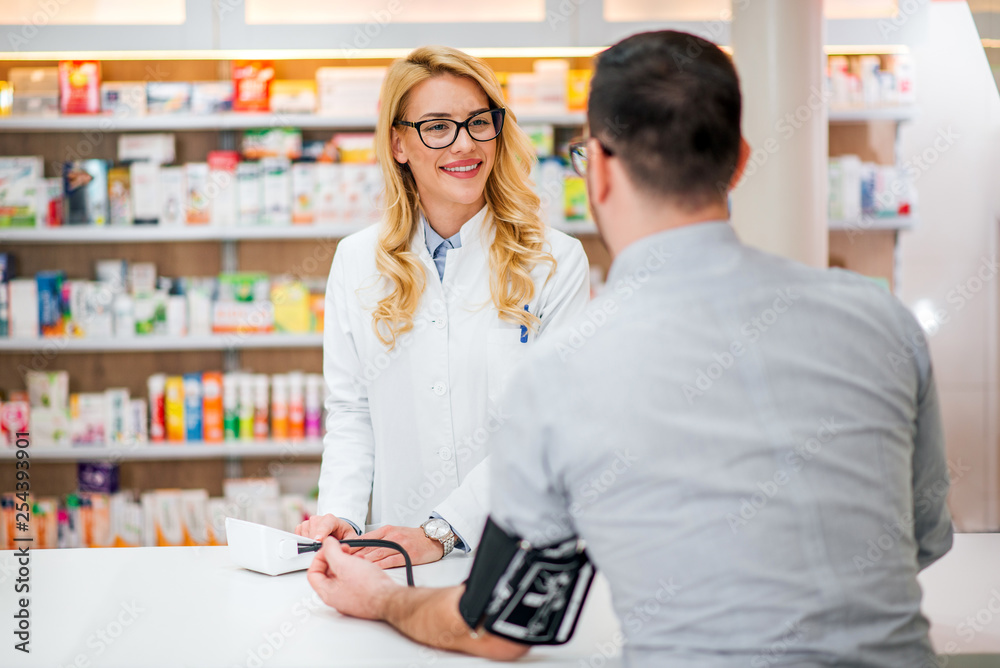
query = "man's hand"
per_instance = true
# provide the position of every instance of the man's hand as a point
(422, 550)
(352, 586)
(319, 527)
(357, 588)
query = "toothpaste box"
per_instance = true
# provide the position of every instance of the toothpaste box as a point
(168, 97)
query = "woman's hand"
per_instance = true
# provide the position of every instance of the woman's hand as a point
(422, 550)
(319, 527)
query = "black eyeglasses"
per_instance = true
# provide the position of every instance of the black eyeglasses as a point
(442, 132)
(578, 154)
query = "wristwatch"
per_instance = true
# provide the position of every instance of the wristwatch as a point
(439, 530)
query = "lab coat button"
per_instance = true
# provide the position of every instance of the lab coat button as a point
(440, 389)
(444, 454)
(441, 323)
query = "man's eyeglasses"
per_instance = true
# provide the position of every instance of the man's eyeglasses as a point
(442, 132)
(578, 155)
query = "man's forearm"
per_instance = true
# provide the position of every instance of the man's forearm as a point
(430, 616)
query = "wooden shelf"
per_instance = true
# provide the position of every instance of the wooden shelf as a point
(175, 451)
(154, 343)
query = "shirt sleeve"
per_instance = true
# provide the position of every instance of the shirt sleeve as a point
(565, 296)
(347, 471)
(528, 495)
(931, 518)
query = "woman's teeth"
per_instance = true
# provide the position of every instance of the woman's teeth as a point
(467, 168)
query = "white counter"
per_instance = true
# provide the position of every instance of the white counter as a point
(192, 607)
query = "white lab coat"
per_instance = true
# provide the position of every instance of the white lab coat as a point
(410, 427)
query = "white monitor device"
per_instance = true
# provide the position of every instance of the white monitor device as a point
(266, 550)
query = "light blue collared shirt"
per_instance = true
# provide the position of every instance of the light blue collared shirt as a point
(438, 246)
(751, 449)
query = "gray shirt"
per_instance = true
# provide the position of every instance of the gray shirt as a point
(751, 449)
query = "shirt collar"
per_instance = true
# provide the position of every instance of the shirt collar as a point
(432, 239)
(679, 248)
(472, 231)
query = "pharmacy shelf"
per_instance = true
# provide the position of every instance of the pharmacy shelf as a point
(151, 342)
(223, 121)
(864, 115)
(866, 223)
(88, 234)
(175, 451)
(155, 233)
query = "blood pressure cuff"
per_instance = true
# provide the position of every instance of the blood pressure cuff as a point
(526, 594)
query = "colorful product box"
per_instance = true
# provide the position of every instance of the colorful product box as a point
(168, 97)
(87, 419)
(212, 412)
(192, 407)
(176, 427)
(116, 413)
(123, 99)
(119, 196)
(48, 389)
(85, 184)
(50, 428)
(291, 307)
(22, 192)
(197, 208)
(303, 193)
(293, 96)
(194, 516)
(162, 518)
(53, 197)
(99, 477)
(6, 273)
(15, 417)
(252, 84)
(156, 386)
(79, 87)
(272, 143)
(50, 302)
(211, 97)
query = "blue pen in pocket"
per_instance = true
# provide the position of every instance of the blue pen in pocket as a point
(524, 329)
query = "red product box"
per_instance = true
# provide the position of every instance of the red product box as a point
(79, 87)
(252, 85)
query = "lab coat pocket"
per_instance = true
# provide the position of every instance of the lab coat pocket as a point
(504, 352)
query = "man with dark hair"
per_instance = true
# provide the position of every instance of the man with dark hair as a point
(749, 449)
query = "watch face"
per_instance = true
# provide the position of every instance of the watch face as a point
(437, 529)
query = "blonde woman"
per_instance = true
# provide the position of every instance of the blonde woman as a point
(428, 313)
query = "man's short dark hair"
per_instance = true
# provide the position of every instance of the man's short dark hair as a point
(668, 105)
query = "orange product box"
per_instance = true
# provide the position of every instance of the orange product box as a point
(79, 87)
(174, 409)
(211, 408)
(252, 85)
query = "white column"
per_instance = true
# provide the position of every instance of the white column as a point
(780, 205)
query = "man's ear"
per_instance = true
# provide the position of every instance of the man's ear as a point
(741, 162)
(598, 172)
(396, 143)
